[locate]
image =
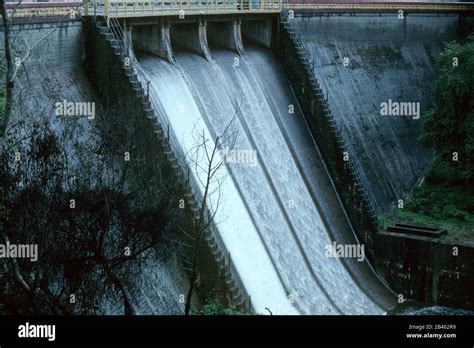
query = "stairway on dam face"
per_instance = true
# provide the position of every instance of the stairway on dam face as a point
(269, 212)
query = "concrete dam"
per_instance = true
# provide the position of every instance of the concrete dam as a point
(280, 212)
(284, 197)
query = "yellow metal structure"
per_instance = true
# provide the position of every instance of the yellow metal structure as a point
(144, 8)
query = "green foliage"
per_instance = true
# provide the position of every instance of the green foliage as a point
(448, 126)
(213, 307)
(460, 232)
(443, 202)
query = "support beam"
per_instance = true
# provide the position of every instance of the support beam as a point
(191, 36)
(258, 31)
(203, 45)
(154, 39)
(227, 34)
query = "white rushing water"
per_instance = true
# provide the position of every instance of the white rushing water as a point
(268, 217)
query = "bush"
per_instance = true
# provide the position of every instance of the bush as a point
(442, 173)
(215, 308)
(447, 195)
(448, 127)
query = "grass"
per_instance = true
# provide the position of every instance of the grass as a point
(439, 205)
(458, 232)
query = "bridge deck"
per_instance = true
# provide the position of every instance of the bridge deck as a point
(147, 8)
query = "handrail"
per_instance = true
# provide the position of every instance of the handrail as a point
(353, 162)
(141, 8)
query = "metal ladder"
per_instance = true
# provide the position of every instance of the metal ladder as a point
(363, 186)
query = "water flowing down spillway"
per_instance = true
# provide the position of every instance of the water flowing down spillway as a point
(272, 212)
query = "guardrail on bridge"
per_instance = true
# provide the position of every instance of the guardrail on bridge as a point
(148, 8)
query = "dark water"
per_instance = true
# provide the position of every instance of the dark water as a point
(419, 308)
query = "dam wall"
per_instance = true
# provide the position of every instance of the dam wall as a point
(300, 194)
(363, 61)
(271, 208)
(51, 69)
(355, 64)
(337, 154)
(53, 45)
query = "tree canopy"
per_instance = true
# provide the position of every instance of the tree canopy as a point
(448, 126)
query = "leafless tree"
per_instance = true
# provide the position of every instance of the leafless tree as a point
(17, 51)
(92, 230)
(206, 158)
(9, 69)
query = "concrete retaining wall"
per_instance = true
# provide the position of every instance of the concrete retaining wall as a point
(427, 270)
(52, 46)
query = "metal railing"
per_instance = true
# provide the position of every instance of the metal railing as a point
(353, 162)
(144, 8)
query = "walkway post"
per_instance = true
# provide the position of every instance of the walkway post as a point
(106, 11)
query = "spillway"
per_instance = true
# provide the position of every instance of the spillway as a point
(280, 213)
